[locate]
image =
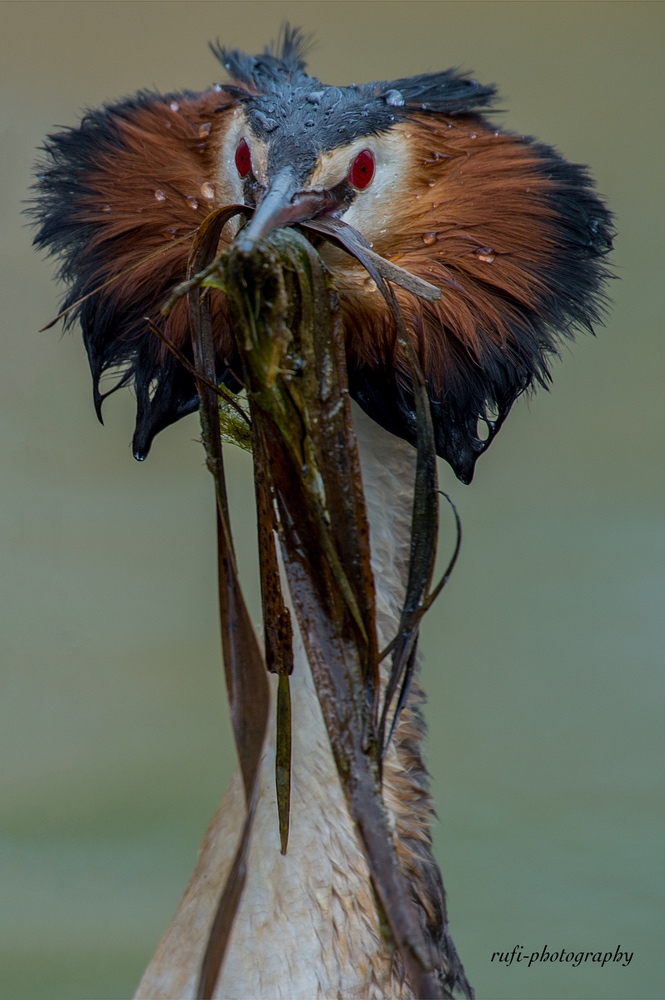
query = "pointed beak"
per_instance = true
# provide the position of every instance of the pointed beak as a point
(282, 205)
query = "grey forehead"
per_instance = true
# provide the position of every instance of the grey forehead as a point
(299, 117)
(297, 123)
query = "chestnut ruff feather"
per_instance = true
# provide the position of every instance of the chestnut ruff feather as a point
(513, 234)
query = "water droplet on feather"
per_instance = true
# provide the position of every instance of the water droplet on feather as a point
(204, 129)
(393, 98)
(174, 106)
(429, 239)
(269, 124)
(207, 191)
(192, 202)
(159, 195)
(485, 254)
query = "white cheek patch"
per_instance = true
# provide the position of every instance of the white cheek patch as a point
(373, 208)
(229, 182)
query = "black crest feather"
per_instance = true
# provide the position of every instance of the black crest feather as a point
(280, 62)
(447, 92)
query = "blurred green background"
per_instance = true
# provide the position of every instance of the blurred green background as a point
(545, 654)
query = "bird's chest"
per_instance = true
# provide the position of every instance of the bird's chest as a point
(307, 925)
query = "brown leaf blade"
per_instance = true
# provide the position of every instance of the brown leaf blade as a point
(244, 667)
(283, 759)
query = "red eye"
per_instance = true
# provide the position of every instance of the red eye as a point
(243, 158)
(361, 173)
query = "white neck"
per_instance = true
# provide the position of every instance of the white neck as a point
(306, 925)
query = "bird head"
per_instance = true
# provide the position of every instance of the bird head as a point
(297, 148)
(512, 234)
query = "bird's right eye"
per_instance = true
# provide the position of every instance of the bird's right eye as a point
(243, 158)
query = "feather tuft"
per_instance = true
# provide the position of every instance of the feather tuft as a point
(517, 238)
(114, 197)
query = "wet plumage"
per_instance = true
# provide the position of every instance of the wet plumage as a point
(513, 234)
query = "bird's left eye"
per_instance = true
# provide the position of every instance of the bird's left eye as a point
(362, 169)
(243, 158)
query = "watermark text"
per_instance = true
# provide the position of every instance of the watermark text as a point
(574, 958)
